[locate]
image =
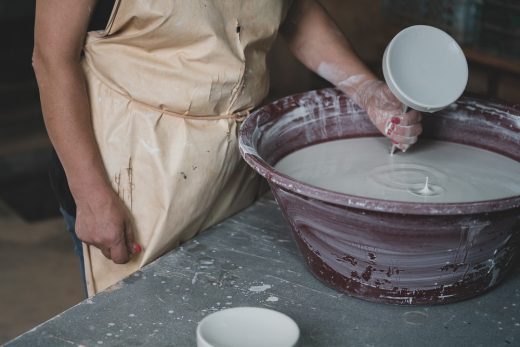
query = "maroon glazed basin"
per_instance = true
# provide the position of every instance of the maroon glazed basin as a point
(387, 251)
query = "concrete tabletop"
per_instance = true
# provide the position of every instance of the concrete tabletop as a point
(251, 260)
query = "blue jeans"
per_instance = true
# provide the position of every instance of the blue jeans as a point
(70, 221)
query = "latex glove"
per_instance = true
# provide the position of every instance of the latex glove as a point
(386, 112)
(102, 220)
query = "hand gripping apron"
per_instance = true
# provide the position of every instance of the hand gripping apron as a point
(167, 82)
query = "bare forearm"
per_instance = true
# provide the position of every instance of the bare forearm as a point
(66, 113)
(59, 33)
(317, 42)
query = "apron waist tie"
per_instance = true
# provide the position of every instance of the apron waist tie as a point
(238, 116)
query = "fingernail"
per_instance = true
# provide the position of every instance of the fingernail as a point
(396, 120)
(137, 248)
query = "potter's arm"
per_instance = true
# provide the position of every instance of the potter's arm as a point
(101, 219)
(317, 42)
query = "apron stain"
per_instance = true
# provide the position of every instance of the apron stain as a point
(130, 173)
(217, 92)
(117, 180)
(130, 179)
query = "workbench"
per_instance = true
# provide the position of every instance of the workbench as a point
(251, 260)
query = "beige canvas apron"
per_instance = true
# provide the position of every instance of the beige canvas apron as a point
(168, 81)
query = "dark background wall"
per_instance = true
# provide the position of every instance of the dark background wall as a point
(488, 30)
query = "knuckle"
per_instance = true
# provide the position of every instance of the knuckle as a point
(80, 231)
(398, 140)
(403, 130)
(112, 235)
(413, 117)
(99, 243)
(111, 239)
(406, 121)
(82, 237)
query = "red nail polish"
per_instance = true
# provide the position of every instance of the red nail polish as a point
(137, 248)
(396, 120)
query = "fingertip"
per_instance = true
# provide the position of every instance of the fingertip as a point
(121, 261)
(120, 253)
(120, 258)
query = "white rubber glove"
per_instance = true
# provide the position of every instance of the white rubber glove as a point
(384, 110)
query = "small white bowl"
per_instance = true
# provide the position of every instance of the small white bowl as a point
(425, 68)
(247, 326)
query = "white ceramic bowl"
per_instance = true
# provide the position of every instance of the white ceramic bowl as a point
(247, 326)
(425, 68)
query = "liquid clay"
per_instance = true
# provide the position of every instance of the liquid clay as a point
(430, 172)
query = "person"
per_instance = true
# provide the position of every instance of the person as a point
(144, 115)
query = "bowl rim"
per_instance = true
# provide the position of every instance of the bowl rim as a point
(273, 176)
(253, 309)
